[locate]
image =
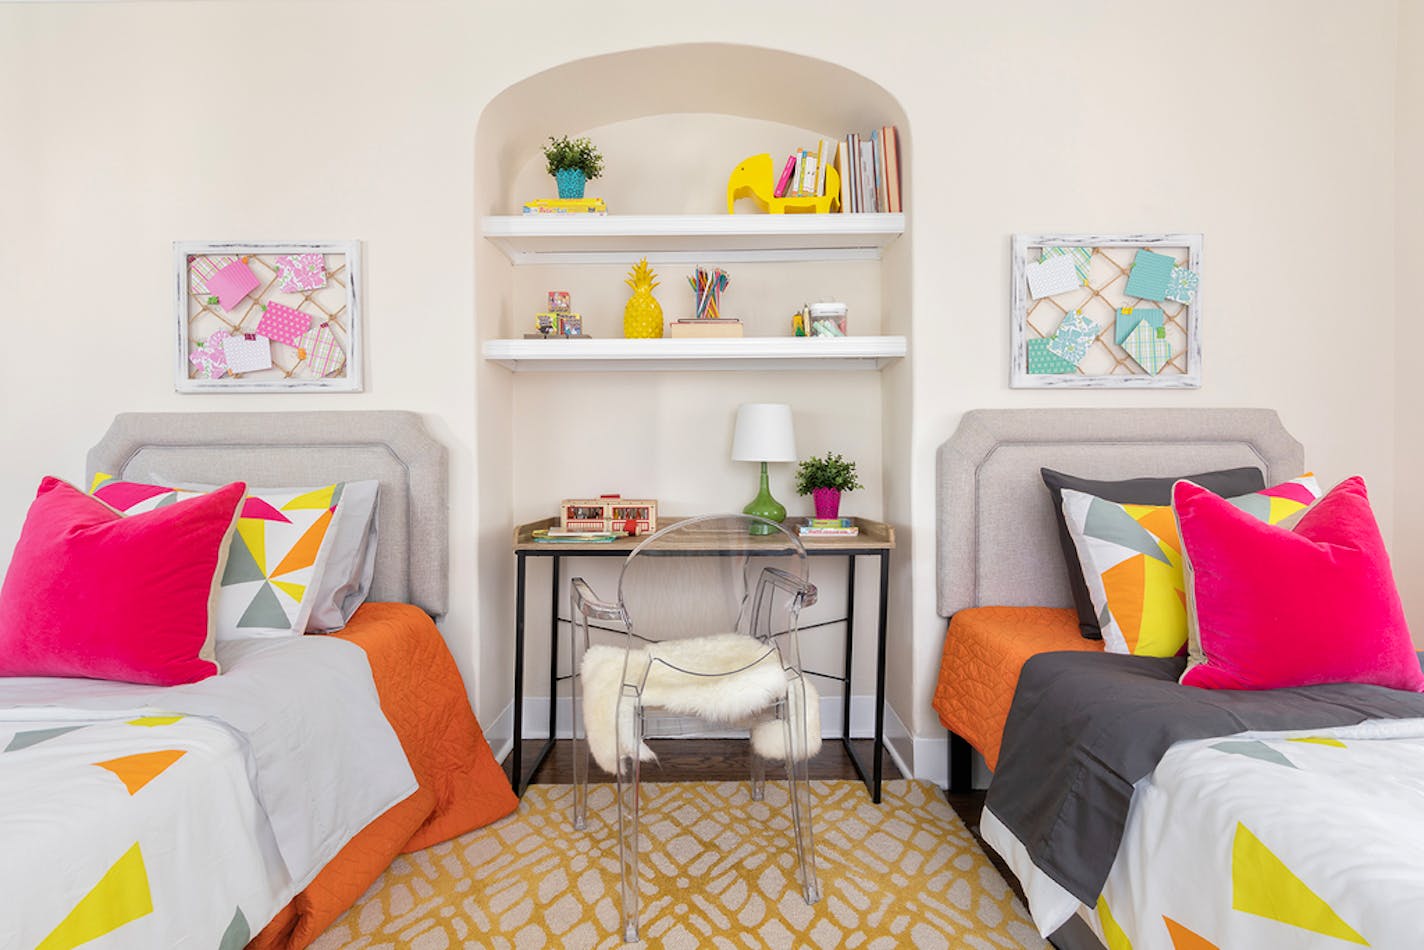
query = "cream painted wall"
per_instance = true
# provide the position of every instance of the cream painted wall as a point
(1267, 126)
(1408, 551)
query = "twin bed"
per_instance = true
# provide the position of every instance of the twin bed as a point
(1137, 812)
(253, 807)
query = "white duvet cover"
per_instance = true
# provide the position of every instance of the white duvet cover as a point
(145, 817)
(1288, 841)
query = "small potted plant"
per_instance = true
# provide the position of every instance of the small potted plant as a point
(572, 162)
(824, 479)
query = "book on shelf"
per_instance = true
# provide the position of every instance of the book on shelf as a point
(808, 174)
(875, 171)
(867, 176)
(843, 166)
(891, 139)
(853, 140)
(784, 181)
(561, 536)
(829, 523)
(565, 206)
(821, 159)
(806, 531)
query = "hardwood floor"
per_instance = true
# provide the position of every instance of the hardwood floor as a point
(725, 760)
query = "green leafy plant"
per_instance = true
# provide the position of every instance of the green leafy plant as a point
(577, 153)
(827, 471)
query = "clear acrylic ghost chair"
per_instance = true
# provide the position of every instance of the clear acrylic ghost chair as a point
(705, 612)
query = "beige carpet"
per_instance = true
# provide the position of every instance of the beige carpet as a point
(718, 871)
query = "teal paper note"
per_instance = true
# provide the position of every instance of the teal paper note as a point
(1150, 275)
(1129, 317)
(1082, 258)
(1041, 362)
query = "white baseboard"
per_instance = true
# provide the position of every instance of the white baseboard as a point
(931, 757)
(862, 726)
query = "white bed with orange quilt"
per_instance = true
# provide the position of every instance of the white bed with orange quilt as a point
(253, 807)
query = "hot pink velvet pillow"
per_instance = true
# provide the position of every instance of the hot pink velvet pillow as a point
(1279, 608)
(90, 593)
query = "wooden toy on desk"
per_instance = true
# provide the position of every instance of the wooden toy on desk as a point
(755, 178)
(631, 516)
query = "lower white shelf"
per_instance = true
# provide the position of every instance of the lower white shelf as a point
(733, 354)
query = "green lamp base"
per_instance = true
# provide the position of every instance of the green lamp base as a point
(765, 506)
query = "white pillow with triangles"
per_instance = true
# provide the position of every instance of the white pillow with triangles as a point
(274, 561)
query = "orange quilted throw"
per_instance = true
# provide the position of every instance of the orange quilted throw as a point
(461, 785)
(984, 651)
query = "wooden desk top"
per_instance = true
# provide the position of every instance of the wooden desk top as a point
(874, 536)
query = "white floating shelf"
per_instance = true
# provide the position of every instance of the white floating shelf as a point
(691, 238)
(733, 354)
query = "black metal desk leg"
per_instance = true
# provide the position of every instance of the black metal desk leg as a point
(849, 646)
(553, 654)
(961, 764)
(516, 777)
(877, 767)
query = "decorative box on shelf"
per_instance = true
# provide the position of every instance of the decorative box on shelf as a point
(704, 328)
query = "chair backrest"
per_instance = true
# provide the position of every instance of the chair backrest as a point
(699, 577)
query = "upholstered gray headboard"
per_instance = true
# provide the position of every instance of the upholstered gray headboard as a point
(997, 539)
(289, 449)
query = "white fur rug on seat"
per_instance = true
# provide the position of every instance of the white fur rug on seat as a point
(743, 699)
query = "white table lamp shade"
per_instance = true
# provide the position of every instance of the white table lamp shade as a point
(764, 433)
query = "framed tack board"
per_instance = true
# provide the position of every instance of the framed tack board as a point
(1106, 311)
(268, 316)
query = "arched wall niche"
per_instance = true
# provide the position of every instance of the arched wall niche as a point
(752, 82)
(735, 96)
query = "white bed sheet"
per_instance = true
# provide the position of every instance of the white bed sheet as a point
(1307, 840)
(298, 717)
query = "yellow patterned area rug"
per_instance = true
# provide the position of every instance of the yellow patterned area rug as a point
(718, 870)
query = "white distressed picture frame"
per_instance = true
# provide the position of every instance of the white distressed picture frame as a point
(1027, 248)
(350, 379)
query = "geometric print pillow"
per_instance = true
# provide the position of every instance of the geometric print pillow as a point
(1133, 564)
(274, 561)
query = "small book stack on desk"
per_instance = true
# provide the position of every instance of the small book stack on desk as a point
(828, 528)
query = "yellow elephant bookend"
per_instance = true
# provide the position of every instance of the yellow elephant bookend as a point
(755, 178)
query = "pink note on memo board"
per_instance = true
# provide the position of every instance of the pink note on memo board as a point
(283, 324)
(247, 352)
(320, 347)
(232, 283)
(299, 272)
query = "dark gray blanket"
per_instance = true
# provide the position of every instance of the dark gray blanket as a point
(1085, 726)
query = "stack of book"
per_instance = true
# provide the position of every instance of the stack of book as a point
(828, 528)
(870, 172)
(565, 206)
(804, 174)
(704, 327)
(869, 167)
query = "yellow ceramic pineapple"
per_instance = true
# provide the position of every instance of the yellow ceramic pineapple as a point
(643, 316)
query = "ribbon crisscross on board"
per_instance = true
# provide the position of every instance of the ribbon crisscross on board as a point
(327, 304)
(1099, 299)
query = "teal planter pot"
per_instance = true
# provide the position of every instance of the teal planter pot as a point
(571, 182)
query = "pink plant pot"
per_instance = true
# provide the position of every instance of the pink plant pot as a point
(828, 502)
